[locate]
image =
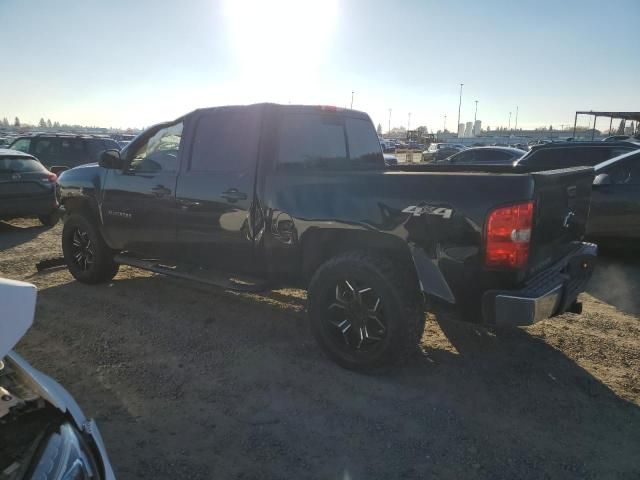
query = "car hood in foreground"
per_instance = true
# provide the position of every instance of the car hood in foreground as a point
(18, 300)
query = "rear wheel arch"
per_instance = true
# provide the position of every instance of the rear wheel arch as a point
(321, 245)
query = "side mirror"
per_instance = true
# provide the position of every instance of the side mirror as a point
(111, 159)
(602, 179)
(58, 169)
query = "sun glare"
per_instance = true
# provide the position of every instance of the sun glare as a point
(278, 42)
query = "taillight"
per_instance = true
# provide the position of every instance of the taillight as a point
(508, 236)
(50, 178)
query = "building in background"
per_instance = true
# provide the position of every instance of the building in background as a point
(468, 130)
(460, 130)
(477, 128)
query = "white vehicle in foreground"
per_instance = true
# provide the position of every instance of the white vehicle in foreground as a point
(43, 432)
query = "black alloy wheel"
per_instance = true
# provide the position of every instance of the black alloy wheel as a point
(82, 249)
(355, 316)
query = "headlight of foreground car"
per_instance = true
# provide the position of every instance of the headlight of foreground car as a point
(65, 455)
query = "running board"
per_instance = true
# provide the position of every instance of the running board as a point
(208, 277)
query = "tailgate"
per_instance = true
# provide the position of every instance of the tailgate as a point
(562, 199)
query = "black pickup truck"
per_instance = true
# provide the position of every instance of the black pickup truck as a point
(300, 195)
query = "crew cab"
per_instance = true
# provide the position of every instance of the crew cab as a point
(253, 197)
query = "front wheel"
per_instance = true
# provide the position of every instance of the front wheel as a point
(88, 257)
(365, 311)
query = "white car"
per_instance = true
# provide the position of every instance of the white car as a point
(43, 432)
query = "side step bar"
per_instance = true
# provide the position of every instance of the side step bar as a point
(210, 277)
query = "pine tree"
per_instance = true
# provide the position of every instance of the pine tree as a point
(49, 123)
(16, 122)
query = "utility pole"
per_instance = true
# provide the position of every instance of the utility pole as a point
(459, 106)
(509, 128)
(409, 123)
(475, 115)
(517, 118)
(444, 127)
(389, 131)
(352, 92)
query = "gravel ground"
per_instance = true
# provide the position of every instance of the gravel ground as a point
(187, 381)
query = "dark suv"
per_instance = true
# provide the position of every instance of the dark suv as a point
(64, 150)
(574, 154)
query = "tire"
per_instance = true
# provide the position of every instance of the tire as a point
(50, 219)
(385, 287)
(95, 265)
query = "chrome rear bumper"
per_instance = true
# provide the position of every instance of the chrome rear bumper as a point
(549, 293)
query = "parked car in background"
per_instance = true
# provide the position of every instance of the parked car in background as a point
(573, 154)
(486, 156)
(438, 152)
(43, 432)
(26, 188)
(390, 160)
(387, 146)
(614, 216)
(616, 138)
(300, 196)
(64, 150)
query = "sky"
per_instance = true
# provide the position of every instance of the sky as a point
(121, 63)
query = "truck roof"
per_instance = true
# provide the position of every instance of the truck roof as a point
(292, 108)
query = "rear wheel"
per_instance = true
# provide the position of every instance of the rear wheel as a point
(365, 311)
(88, 257)
(50, 219)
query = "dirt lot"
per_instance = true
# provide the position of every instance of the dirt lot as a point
(189, 382)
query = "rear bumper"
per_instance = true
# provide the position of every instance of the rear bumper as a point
(23, 206)
(549, 293)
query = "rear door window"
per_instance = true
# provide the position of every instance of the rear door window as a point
(463, 157)
(309, 140)
(72, 152)
(225, 141)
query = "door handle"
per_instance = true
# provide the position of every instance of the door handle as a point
(161, 191)
(233, 195)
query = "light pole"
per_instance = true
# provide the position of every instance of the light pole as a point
(509, 128)
(459, 107)
(444, 127)
(409, 123)
(517, 118)
(389, 131)
(475, 115)
(352, 92)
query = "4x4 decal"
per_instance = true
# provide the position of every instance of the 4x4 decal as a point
(417, 211)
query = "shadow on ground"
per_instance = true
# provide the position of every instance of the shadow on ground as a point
(190, 382)
(13, 235)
